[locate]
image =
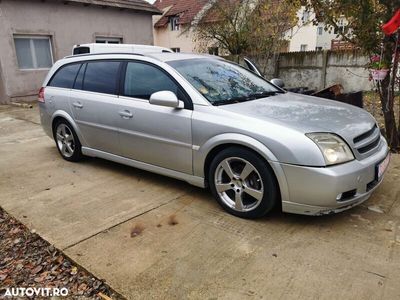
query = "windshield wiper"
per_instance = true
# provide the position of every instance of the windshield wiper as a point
(265, 94)
(247, 98)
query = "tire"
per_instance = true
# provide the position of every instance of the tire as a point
(243, 183)
(67, 141)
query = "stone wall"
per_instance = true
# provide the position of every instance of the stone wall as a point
(319, 69)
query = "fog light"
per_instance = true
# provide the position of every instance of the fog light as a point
(338, 197)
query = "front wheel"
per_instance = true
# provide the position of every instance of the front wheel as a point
(243, 183)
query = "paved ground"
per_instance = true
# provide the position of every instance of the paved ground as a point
(89, 210)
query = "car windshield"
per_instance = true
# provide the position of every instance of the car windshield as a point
(221, 82)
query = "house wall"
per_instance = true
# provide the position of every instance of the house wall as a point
(183, 38)
(67, 25)
(304, 33)
(325, 40)
(3, 95)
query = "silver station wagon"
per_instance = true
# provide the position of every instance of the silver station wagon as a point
(214, 124)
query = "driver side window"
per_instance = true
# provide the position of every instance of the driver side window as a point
(142, 80)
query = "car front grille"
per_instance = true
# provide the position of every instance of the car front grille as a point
(368, 140)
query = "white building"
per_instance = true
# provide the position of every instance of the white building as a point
(306, 36)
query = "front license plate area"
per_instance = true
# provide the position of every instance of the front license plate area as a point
(382, 166)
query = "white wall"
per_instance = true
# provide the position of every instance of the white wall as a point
(307, 34)
(304, 33)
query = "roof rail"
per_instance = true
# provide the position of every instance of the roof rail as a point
(105, 53)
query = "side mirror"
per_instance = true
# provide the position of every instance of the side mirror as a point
(165, 98)
(278, 82)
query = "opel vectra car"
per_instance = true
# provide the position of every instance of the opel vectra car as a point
(214, 124)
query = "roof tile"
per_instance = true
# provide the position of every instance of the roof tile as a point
(187, 10)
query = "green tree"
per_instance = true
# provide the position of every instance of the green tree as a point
(365, 18)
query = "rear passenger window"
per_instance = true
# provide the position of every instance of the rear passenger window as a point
(101, 77)
(65, 77)
(142, 80)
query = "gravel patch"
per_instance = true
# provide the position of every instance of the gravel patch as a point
(28, 261)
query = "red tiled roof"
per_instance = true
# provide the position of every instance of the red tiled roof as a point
(187, 10)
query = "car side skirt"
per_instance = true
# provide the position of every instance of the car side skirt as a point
(194, 180)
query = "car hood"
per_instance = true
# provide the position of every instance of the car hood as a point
(308, 114)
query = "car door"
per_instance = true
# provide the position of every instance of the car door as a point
(153, 134)
(94, 102)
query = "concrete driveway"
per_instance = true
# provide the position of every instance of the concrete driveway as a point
(187, 247)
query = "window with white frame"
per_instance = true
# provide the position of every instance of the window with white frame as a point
(306, 16)
(303, 47)
(320, 30)
(174, 22)
(340, 29)
(33, 52)
(108, 40)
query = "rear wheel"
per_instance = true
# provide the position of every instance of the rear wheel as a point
(67, 141)
(243, 183)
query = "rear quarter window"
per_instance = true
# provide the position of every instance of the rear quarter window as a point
(65, 76)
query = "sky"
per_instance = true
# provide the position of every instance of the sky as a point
(151, 1)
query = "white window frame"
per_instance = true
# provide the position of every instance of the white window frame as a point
(303, 47)
(174, 23)
(306, 16)
(108, 39)
(32, 48)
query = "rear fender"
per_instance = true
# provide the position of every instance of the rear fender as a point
(66, 116)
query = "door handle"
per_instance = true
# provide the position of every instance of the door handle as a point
(77, 105)
(126, 114)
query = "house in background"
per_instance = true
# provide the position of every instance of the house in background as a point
(306, 36)
(36, 33)
(172, 29)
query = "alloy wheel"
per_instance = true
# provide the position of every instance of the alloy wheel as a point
(238, 184)
(65, 140)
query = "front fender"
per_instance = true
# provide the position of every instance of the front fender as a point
(66, 116)
(200, 154)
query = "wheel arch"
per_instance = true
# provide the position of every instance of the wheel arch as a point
(218, 143)
(62, 115)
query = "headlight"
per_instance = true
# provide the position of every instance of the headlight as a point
(333, 148)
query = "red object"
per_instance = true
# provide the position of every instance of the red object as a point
(393, 25)
(41, 95)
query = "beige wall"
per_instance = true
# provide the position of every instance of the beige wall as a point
(66, 25)
(183, 38)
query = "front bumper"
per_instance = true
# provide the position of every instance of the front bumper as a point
(325, 190)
